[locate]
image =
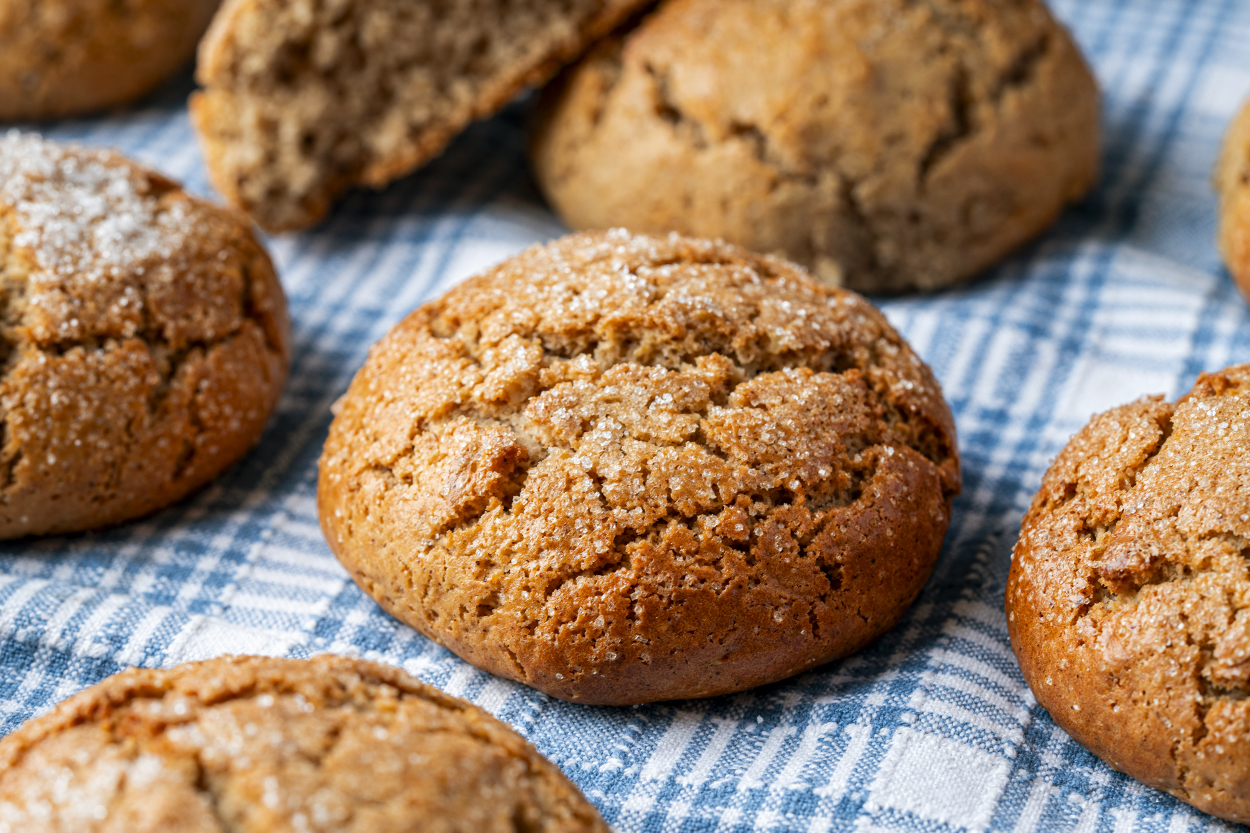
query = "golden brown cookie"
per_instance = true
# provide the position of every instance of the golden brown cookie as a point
(1232, 180)
(1128, 601)
(303, 100)
(623, 469)
(144, 338)
(66, 57)
(255, 744)
(887, 145)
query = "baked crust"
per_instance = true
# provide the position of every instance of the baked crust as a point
(68, 57)
(1232, 180)
(623, 469)
(887, 145)
(303, 100)
(1128, 601)
(258, 744)
(143, 335)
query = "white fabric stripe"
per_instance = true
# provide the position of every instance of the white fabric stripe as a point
(1179, 823)
(308, 530)
(132, 651)
(858, 735)
(671, 746)
(980, 692)
(13, 605)
(944, 708)
(1040, 793)
(495, 695)
(204, 637)
(721, 737)
(985, 614)
(983, 669)
(278, 604)
(808, 743)
(976, 637)
(1088, 822)
(317, 562)
(752, 778)
(459, 679)
(1125, 820)
(84, 644)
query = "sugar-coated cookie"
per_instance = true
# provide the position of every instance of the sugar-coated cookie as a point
(304, 99)
(144, 337)
(624, 468)
(888, 145)
(1232, 180)
(263, 745)
(67, 57)
(1128, 601)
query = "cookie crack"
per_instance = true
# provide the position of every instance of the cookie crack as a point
(668, 111)
(957, 128)
(1073, 491)
(1021, 72)
(858, 215)
(204, 787)
(856, 446)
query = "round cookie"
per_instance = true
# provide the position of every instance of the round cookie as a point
(1232, 180)
(144, 337)
(623, 469)
(67, 57)
(255, 744)
(1128, 601)
(887, 145)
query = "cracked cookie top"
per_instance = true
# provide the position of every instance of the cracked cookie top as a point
(256, 744)
(887, 145)
(143, 335)
(623, 468)
(1129, 596)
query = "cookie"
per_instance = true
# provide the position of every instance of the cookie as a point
(622, 469)
(1232, 180)
(144, 338)
(1128, 601)
(68, 57)
(888, 145)
(303, 100)
(256, 744)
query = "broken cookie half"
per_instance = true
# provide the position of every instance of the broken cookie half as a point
(303, 99)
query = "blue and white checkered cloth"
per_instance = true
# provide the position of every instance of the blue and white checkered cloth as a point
(932, 728)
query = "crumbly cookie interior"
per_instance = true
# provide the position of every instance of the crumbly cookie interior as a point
(304, 98)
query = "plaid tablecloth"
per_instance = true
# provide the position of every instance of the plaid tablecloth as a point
(932, 728)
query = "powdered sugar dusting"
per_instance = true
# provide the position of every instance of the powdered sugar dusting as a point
(84, 212)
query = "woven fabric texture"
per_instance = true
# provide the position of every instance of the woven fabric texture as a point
(930, 729)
